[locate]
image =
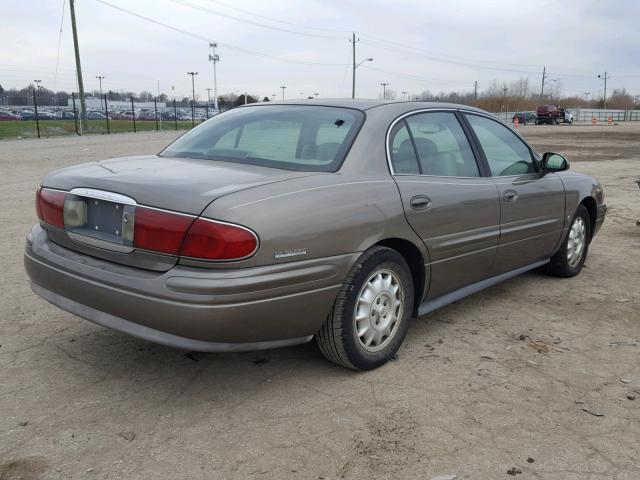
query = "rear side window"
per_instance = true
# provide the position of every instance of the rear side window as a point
(292, 137)
(505, 152)
(403, 155)
(432, 143)
(442, 146)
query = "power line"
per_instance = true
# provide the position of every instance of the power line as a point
(419, 78)
(380, 40)
(257, 24)
(283, 22)
(209, 40)
(440, 60)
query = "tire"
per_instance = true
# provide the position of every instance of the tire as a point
(563, 263)
(374, 275)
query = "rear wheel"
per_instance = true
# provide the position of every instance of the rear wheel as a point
(371, 314)
(568, 261)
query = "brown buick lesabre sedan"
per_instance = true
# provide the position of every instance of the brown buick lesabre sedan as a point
(272, 224)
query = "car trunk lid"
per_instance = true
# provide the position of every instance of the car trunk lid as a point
(113, 189)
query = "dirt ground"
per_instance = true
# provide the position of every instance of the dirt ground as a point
(534, 378)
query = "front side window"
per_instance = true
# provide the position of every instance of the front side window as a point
(505, 152)
(291, 137)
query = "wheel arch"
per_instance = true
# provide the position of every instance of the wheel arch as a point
(416, 262)
(592, 207)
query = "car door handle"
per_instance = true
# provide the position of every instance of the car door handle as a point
(420, 202)
(510, 196)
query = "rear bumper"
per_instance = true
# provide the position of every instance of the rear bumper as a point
(191, 308)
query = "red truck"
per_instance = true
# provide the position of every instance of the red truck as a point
(552, 115)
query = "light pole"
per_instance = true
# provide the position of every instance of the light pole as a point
(100, 77)
(404, 94)
(316, 94)
(283, 88)
(384, 90)
(208, 96)
(353, 83)
(193, 96)
(586, 96)
(37, 82)
(273, 97)
(214, 58)
(604, 76)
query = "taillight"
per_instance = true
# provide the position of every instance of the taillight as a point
(160, 231)
(50, 206)
(211, 240)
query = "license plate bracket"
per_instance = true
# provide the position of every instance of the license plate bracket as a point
(105, 223)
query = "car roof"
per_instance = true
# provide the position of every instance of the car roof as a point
(367, 104)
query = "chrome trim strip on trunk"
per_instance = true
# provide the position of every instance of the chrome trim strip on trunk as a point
(103, 195)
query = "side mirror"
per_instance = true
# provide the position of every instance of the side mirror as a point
(554, 162)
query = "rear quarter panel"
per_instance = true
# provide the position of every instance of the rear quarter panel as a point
(322, 216)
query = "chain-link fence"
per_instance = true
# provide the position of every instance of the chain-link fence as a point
(104, 116)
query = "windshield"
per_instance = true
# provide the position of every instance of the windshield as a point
(291, 137)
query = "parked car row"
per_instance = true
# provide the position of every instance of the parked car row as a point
(181, 114)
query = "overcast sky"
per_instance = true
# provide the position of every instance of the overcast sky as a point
(416, 44)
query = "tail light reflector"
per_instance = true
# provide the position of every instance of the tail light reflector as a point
(50, 206)
(160, 231)
(211, 240)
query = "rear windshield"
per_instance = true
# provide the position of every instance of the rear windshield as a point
(291, 137)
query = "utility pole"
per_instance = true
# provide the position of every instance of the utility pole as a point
(100, 77)
(316, 94)
(586, 96)
(193, 96)
(83, 109)
(353, 78)
(475, 91)
(283, 87)
(384, 90)
(215, 58)
(544, 75)
(404, 94)
(604, 76)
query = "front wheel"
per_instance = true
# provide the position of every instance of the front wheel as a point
(568, 261)
(371, 314)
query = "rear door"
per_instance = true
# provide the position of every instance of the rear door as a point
(447, 202)
(532, 203)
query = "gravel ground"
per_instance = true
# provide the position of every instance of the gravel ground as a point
(536, 375)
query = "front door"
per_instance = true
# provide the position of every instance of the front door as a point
(532, 203)
(447, 202)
